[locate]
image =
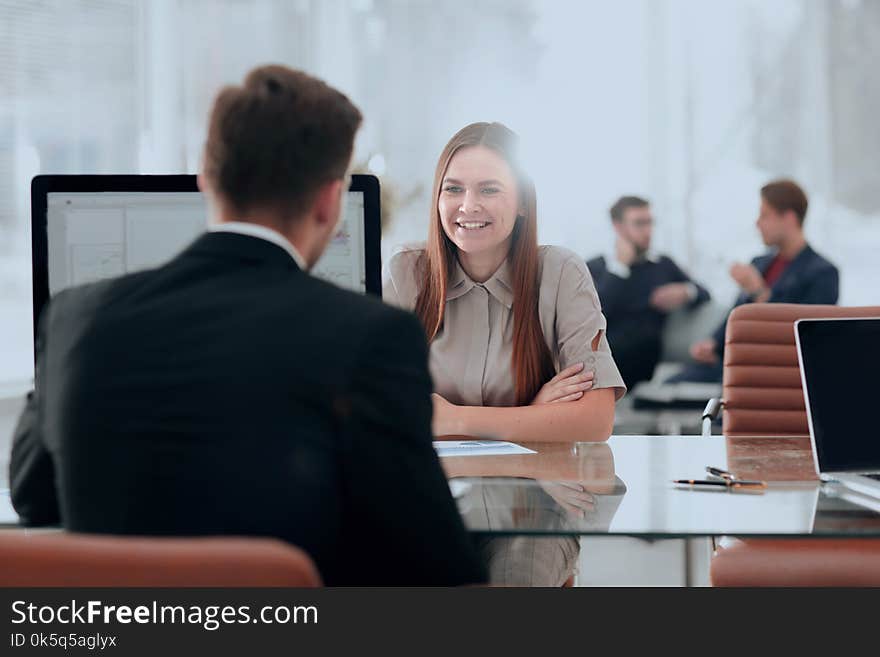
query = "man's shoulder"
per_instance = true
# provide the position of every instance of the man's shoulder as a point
(820, 263)
(665, 260)
(91, 296)
(349, 307)
(77, 294)
(667, 264)
(358, 326)
(597, 264)
(763, 260)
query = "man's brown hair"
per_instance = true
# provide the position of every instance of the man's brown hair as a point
(623, 204)
(784, 195)
(274, 140)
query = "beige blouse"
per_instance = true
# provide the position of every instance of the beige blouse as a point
(470, 358)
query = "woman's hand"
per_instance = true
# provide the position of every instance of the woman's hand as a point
(574, 498)
(570, 384)
(445, 421)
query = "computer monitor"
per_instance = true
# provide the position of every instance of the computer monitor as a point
(86, 228)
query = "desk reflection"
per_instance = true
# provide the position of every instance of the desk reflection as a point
(564, 489)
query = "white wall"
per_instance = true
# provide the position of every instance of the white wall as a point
(692, 104)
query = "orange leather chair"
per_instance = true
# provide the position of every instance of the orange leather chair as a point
(798, 562)
(62, 559)
(762, 396)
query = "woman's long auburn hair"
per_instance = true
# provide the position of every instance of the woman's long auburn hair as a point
(531, 361)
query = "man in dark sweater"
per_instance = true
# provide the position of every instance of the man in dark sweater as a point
(638, 289)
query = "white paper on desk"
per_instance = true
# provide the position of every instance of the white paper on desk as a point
(478, 448)
(7, 513)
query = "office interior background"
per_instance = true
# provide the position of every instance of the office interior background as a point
(692, 104)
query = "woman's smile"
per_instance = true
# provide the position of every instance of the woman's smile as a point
(471, 225)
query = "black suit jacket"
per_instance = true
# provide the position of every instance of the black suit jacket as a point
(228, 392)
(809, 278)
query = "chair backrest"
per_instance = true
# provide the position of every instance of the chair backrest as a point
(787, 563)
(62, 559)
(762, 382)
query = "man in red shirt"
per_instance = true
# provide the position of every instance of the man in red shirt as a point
(791, 273)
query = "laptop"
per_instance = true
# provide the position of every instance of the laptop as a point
(840, 373)
(85, 228)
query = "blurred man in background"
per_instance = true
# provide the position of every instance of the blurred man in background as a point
(638, 289)
(792, 272)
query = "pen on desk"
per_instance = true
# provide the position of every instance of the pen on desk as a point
(700, 482)
(718, 472)
(732, 478)
(726, 483)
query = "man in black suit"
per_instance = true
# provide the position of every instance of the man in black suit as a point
(230, 392)
(791, 273)
(638, 289)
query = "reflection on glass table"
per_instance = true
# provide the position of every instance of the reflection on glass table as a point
(574, 489)
(578, 489)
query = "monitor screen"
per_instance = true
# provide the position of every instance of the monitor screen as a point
(840, 362)
(87, 228)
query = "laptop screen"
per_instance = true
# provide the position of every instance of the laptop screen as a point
(840, 367)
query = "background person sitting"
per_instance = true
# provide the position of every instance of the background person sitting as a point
(791, 273)
(638, 289)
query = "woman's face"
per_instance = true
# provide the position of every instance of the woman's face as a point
(479, 201)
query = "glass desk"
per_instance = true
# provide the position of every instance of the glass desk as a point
(624, 487)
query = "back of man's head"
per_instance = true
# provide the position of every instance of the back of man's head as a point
(273, 141)
(784, 196)
(623, 204)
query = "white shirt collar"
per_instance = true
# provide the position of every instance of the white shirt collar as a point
(613, 265)
(263, 233)
(650, 256)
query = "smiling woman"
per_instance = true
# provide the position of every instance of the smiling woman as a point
(518, 346)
